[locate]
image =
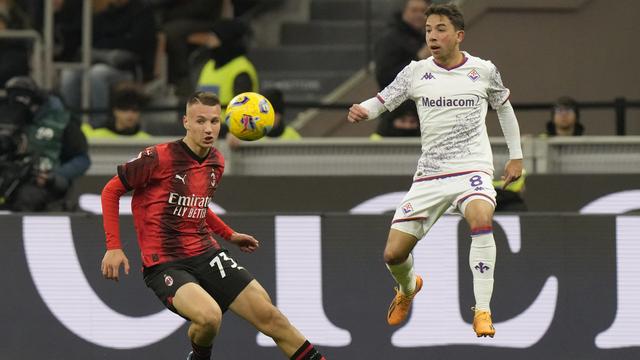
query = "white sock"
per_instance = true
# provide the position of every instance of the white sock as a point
(482, 261)
(404, 275)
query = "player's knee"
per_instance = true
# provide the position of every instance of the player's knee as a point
(394, 257)
(480, 220)
(208, 318)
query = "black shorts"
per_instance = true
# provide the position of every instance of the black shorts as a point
(215, 271)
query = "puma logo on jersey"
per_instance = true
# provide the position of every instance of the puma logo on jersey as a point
(182, 178)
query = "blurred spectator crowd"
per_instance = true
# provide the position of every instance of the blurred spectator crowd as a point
(163, 46)
(140, 49)
(143, 51)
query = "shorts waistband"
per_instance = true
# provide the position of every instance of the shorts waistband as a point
(443, 176)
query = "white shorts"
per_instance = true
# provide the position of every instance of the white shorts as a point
(430, 197)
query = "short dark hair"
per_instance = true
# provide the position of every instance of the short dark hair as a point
(128, 95)
(406, 2)
(204, 98)
(566, 102)
(449, 10)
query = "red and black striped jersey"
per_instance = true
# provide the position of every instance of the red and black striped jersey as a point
(172, 190)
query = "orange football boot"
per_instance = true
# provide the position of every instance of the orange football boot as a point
(482, 324)
(399, 308)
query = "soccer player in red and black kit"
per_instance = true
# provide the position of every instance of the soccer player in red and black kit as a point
(187, 269)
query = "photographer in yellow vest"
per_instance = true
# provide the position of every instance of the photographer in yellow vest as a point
(228, 72)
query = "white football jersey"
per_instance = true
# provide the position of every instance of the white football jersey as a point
(452, 106)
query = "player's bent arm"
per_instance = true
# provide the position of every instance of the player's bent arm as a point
(510, 129)
(218, 226)
(245, 242)
(374, 107)
(388, 99)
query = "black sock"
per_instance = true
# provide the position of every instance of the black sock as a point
(201, 352)
(307, 352)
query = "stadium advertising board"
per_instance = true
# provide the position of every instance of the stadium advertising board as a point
(343, 193)
(567, 287)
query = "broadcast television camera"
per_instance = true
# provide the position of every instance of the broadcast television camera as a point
(17, 109)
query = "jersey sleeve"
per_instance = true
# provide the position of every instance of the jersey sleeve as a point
(137, 172)
(218, 226)
(111, 194)
(498, 94)
(399, 90)
(218, 169)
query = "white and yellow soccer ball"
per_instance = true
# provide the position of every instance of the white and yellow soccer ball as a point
(249, 116)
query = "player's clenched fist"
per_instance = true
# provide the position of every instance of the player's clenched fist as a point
(357, 113)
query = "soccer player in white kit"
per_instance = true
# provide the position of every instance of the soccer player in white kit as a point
(452, 90)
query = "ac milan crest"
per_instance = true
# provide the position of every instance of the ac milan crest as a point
(168, 280)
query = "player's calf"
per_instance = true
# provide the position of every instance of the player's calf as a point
(271, 322)
(199, 352)
(307, 352)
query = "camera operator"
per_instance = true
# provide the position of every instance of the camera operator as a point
(50, 137)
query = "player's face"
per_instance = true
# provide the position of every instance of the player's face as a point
(203, 124)
(442, 38)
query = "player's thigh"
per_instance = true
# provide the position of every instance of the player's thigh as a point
(421, 207)
(165, 280)
(222, 277)
(471, 187)
(254, 305)
(194, 303)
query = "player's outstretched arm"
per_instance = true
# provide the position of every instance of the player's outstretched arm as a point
(111, 263)
(366, 110)
(388, 99)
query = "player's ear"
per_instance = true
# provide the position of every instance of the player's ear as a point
(185, 122)
(460, 35)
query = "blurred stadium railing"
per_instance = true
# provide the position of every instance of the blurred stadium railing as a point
(620, 107)
(361, 156)
(36, 46)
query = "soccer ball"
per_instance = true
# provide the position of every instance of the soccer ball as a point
(249, 116)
